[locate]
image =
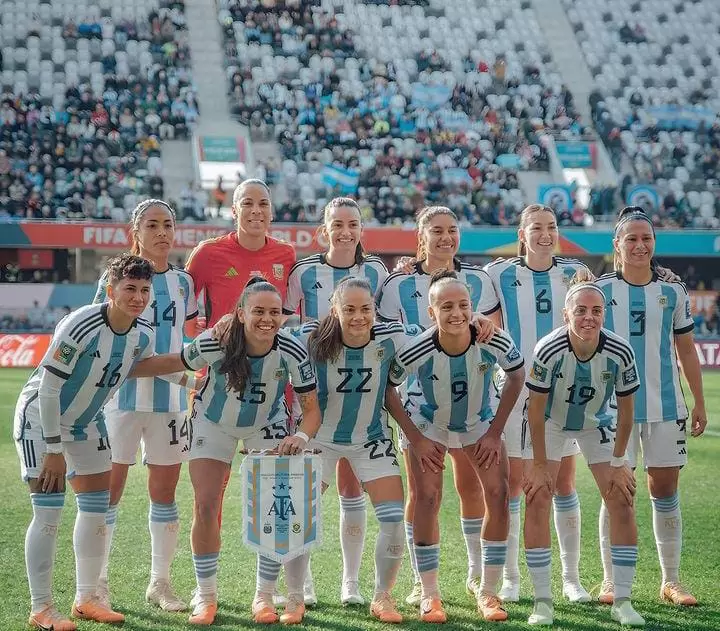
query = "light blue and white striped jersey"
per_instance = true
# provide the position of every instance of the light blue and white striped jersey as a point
(580, 391)
(531, 302)
(263, 401)
(649, 317)
(351, 390)
(94, 361)
(172, 303)
(404, 296)
(452, 392)
(312, 281)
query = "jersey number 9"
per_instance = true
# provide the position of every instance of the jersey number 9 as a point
(459, 390)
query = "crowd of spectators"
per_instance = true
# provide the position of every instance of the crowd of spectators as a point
(465, 153)
(94, 152)
(37, 319)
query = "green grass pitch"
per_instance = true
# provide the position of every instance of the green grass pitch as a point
(130, 563)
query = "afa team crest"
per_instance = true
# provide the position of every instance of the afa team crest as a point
(281, 504)
(278, 270)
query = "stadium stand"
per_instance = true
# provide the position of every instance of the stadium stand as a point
(447, 109)
(657, 69)
(89, 91)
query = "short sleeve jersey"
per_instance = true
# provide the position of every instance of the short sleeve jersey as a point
(312, 281)
(649, 317)
(262, 402)
(93, 361)
(453, 392)
(351, 390)
(532, 302)
(172, 303)
(404, 297)
(222, 267)
(580, 391)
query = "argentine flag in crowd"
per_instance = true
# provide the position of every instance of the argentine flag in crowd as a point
(347, 179)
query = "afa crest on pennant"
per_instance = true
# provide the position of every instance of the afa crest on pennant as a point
(281, 504)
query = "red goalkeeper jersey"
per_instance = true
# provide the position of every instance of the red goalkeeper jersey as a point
(221, 268)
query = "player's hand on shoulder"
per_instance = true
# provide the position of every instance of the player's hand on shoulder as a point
(666, 274)
(484, 328)
(405, 264)
(584, 276)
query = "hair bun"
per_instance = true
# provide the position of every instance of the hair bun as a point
(631, 210)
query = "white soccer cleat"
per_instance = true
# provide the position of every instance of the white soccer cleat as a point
(607, 592)
(350, 593)
(472, 586)
(623, 613)
(415, 596)
(279, 599)
(510, 591)
(575, 592)
(309, 595)
(543, 614)
(161, 593)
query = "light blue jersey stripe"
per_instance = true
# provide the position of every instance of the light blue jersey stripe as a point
(409, 304)
(667, 357)
(218, 398)
(425, 372)
(310, 294)
(486, 411)
(279, 398)
(609, 317)
(543, 304)
(375, 430)
(352, 399)
(163, 337)
(459, 405)
(576, 411)
(512, 314)
(71, 388)
(322, 386)
(638, 311)
(604, 416)
(372, 276)
(250, 400)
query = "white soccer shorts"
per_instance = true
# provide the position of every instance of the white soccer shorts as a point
(662, 444)
(163, 436)
(82, 457)
(370, 461)
(595, 443)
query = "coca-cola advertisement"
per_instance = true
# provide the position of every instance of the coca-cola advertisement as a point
(23, 350)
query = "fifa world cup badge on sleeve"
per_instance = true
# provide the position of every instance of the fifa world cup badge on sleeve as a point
(281, 504)
(64, 353)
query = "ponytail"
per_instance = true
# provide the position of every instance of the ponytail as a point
(235, 365)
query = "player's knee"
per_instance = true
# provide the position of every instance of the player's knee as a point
(539, 503)
(468, 487)
(206, 509)
(496, 495)
(618, 507)
(565, 486)
(428, 499)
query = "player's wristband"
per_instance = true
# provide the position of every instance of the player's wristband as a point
(617, 462)
(54, 448)
(304, 436)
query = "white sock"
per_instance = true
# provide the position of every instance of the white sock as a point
(471, 529)
(538, 562)
(428, 560)
(511, 573)
(110, 519)
(667, 526)
(566, 511)
(163, 523)
(353, 518)
(493, 560)
(89, 542)
(40, 546)
(624, 560)
(604, 526)
(267, 575)
(206, 567)
(389, 545)
(411, 550)
(295, 576)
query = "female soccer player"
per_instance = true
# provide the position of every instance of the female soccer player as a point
(152, 412)
(352, 357)
(249, 368)
(532, 288)
(460, 414)
(403, 296)
(575, 371)
(654, 315)
(310, 287)
(59, 429)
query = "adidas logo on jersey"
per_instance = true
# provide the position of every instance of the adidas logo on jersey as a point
(317, 285)
(612, 303)
(231, 273)
(96, 354)
(434, 378)
(516, 283)
(417, 294)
